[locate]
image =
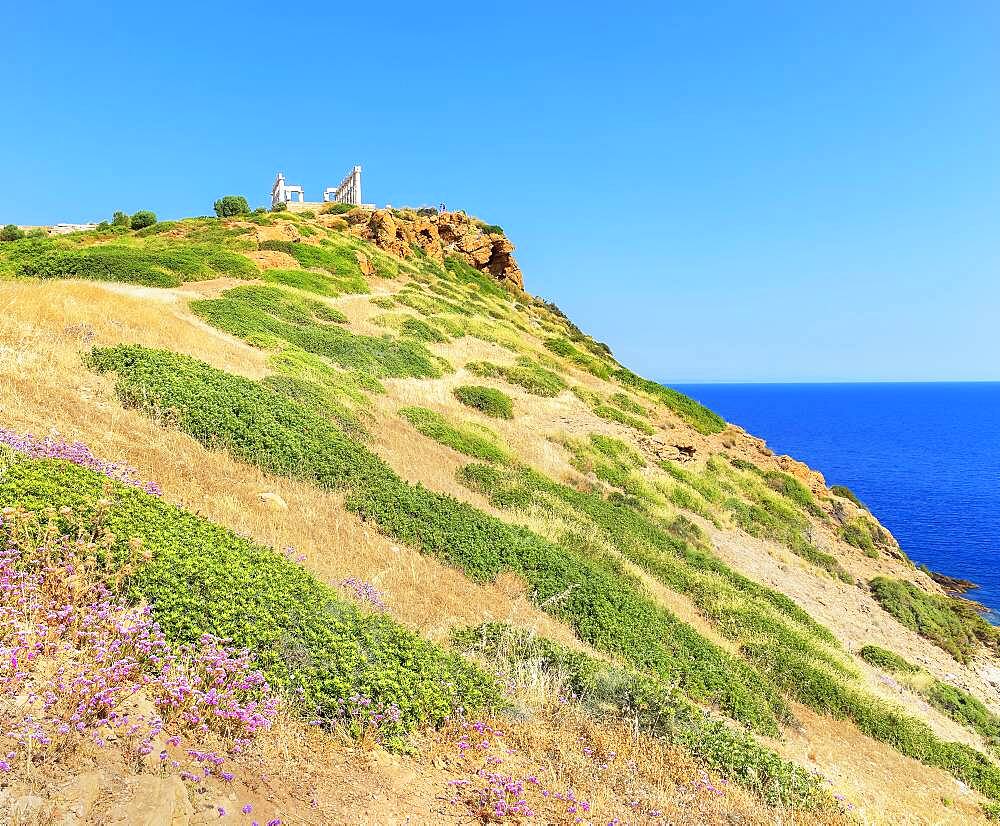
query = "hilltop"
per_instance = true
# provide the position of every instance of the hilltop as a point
(323, 518)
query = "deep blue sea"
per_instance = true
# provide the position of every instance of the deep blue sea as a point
(925, 458)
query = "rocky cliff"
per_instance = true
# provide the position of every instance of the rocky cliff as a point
(404, 232)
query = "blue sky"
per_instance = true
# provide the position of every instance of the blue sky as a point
(721, 191)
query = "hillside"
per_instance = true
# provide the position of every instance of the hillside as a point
(319, 519)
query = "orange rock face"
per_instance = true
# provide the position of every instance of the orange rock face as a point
(447, 233)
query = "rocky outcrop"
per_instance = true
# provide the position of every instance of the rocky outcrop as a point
(447, 233)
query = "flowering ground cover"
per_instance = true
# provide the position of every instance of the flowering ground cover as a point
(80, 666)
(203, 579)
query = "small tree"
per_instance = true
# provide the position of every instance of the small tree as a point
(231, 205)
(143, 218)
(11, 233)
(121, 219)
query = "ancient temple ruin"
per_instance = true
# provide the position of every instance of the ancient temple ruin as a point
(293, 196)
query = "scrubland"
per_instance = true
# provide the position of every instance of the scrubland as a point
(298, 531)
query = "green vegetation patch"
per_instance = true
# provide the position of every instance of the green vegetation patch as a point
(527, 373)
(319, 283)
(951, 624)
(845, 492)
(758, 509)
(340, 260)
(486, 400)
(610, 460)
(471, 439)
(695, 414)
(611, 691)
(264, 314)
(166, 267)
(607, 606)
(886, 660)
(205, 579)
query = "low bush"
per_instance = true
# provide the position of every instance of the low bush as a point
(281, 206)
(616, 414)
(262, 314)
(335, 208)
(626, 403)
(593, 365)
(231, 206)
(856, 533)
(320, 283)
(338, 260)
(951, 624)
(142, 219)
(486, 400)
(527, 373)
(166, 267)
(492, 229)
(886, 660)
(846, 493)
(421, 330)
(472, 440)
(695, 414)
(963, 708)
(11, 232)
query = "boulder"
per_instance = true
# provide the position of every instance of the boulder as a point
(273, 501)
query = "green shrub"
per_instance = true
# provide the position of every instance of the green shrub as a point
(259, 313)
(11, 232)
(307, 213)
(963, 708)
(281, 206)
(421, 330)
(335, 208)
(607, 606)
(167, 267)
(121, 219)
(486, 400)
(230, 206)
(203, 578)
(36, 232)
(616, 414)
(492, 229)
(158, 228)
(695, 414)
(846, 493)
(613, 691)
(627, 404)
(142, 219)
(856, 533)
(951, 624)
(319, 283)
(339, 260)
(472, 440)
(886, 660)
(563, 347)
(527, 373)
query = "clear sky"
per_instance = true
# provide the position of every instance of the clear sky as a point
(721, 191)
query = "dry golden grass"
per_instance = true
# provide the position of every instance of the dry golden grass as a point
(44, 328)
(594, 772)
(43, 385)
(882, 785)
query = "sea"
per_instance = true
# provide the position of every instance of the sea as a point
(924, 458)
